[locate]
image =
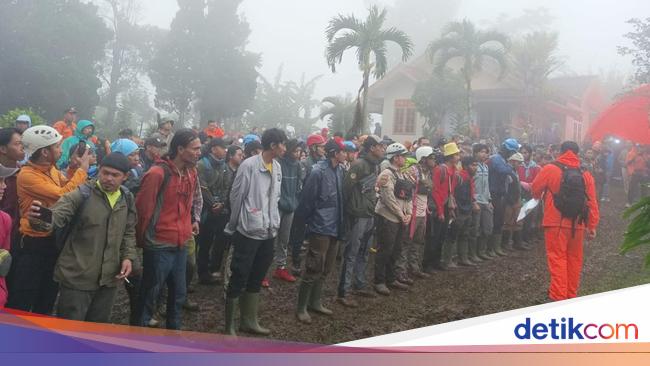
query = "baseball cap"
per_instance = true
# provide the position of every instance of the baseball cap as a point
(24, 118)
(71, 110)
(334, 146)
(371, 141)
(155, 141)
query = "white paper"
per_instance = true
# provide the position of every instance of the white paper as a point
(527, 208)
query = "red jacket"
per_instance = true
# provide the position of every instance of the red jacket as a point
(549, 179)
(5, 243)
(174, 226)
(533, 171)
(441, 189)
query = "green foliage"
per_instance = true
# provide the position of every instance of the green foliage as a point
(339, 111)
(638, 231)
(640, 51)
(203, 61)
(438, 99)
(284, 103)
(369, 38)
(473, 47)
(48, 54)
(534, 59)
(9, 118)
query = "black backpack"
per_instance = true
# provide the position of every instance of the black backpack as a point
(571, 199)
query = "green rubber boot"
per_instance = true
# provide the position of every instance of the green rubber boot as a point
(497, 238)
(249, 305)
(304, 292)
(315, 299)
(231, 310)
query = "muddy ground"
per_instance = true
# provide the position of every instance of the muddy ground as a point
(506, 283)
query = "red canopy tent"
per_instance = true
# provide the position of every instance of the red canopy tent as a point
(628, 118)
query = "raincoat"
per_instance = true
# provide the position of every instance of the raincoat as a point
(74, 140)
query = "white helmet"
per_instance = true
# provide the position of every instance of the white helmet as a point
(423, 152)
(38, 137)
(395, 149)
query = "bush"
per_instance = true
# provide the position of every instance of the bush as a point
(9, 119)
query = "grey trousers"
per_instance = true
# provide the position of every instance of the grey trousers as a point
(91, 306)
(409, 259)
(355, 256)
(282, 240)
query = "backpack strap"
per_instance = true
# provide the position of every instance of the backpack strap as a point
(61, 234)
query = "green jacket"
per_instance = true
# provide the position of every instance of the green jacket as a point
(359, 192)
(99, 241)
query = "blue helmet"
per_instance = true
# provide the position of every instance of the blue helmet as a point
(511, 145)
(350, 146)
(250, 138)
(124, 146)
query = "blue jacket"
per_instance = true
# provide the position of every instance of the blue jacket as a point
(321, 201)
(499, 172)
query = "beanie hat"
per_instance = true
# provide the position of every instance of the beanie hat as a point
(117, 161)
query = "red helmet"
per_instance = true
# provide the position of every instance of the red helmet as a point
(315, 140)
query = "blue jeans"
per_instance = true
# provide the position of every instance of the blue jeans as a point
(162, 266)
(355, 256)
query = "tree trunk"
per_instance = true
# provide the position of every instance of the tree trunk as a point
(364, 109)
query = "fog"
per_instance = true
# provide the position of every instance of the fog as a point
(291, 32)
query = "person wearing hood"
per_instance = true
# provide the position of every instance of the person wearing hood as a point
(131, 150)
(23, 122)
(83, 133)
(564, 236)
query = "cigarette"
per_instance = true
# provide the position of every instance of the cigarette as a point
(127, 280)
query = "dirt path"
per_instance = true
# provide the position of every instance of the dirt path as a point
(516, 281)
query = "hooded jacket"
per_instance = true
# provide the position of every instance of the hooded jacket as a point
(174, 225)
(548, 184)
(102, 238)
(321, 201)
(74, 140)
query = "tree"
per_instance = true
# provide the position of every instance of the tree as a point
(275, 104)
(473, 47)
(203, 62)
(48, 54)
(640, 51)
(339, 111)
(9, 118)
(533, 60)
(439, 99)
(128, 53)
(369, 38)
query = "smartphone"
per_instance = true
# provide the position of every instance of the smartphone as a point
(45, 215)
(81, 148)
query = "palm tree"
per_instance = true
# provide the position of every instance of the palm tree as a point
(369, 38)
(533, 60)
(303, 94)
(340, 111)
(462, 40)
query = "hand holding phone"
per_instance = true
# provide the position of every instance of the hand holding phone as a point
(45, 214)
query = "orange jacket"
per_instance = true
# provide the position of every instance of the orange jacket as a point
(64, 130)
(214, 132)
(549, 179)
(45, 184)
(636, 162)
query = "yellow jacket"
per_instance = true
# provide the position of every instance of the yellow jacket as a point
(45, 184)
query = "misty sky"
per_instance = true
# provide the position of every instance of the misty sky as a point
(291, 32)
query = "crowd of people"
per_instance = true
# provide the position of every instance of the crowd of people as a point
(82, 216)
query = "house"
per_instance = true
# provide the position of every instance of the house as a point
(500, 107)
